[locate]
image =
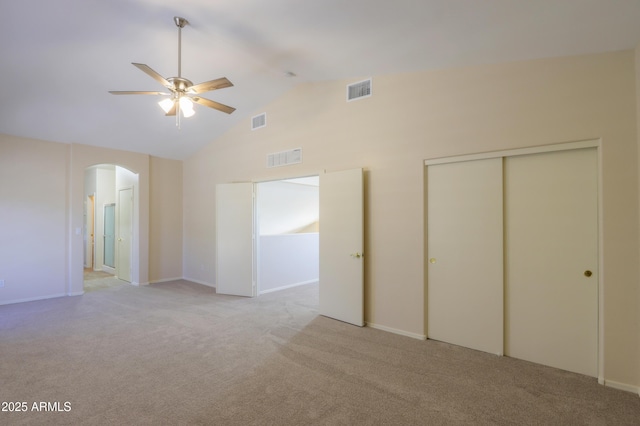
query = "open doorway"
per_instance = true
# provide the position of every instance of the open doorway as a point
(108, 226)
(288, 233)
(341, 266)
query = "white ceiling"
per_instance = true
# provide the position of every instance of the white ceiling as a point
(59, 58)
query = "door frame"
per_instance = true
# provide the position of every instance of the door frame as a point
(90, 232)
(256, 183)
(132, 236)
(105, 267)
(564, 146)
(256, 226)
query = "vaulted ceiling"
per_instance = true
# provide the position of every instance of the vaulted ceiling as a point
(59, 58)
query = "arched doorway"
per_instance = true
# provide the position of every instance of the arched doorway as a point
(110, 226)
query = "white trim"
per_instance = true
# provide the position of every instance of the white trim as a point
(600, 335)
(397, 331)
(108, 269)
(33, 299)
(592, 143)
(284, 179)
(198, 282)
(622, 386)
(271, 290)
(164, 280)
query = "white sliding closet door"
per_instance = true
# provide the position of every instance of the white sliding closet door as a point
(465, 239)
(551, 247)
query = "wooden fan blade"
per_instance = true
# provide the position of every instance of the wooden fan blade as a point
(215, 105)
(131, 92)
(219, 83)
(147, 69)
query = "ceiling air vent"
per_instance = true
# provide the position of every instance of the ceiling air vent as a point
(259, 121)
(359, 90)
(284, 158)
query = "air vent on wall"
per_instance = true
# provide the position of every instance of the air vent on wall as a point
(359, 90)
(259, 121)
(284, 158)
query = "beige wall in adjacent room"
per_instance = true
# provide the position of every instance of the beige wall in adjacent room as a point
(417, 116)
(165, 220)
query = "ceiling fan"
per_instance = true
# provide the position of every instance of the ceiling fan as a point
(182, 91)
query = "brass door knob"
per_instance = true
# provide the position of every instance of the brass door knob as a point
(588, 273)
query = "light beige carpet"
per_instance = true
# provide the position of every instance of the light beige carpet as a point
(179, 354)
(102, 283)
(90, 274)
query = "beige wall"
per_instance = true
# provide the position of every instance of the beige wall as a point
(165, 220)
(418, 116)
(33, 219)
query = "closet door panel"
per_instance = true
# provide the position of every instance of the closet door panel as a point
(465, 254)
(551, 276)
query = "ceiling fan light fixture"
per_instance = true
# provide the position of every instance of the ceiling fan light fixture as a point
(180, 87)
(166, 105)
(186, 106)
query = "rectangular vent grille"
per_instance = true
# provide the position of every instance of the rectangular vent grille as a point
(259, 121)
(284, 158)
(359, 90)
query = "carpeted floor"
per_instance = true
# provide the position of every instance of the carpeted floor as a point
(177, 353)
(99, 280)
(89, 274)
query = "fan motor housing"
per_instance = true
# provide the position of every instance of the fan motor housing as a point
(180, 84)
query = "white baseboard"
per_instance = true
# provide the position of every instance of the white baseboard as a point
(198, 282)
(108, 269)
(165, 280)
(396, 331)
(33, 299)
(76, 293)
(621, 386)
(271, 290)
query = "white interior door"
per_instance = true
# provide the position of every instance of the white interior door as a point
(551, 245)
(125, 233)
(235, 243)
(341, 246)
(465, 269)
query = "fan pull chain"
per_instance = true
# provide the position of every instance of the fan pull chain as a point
(178, 113)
